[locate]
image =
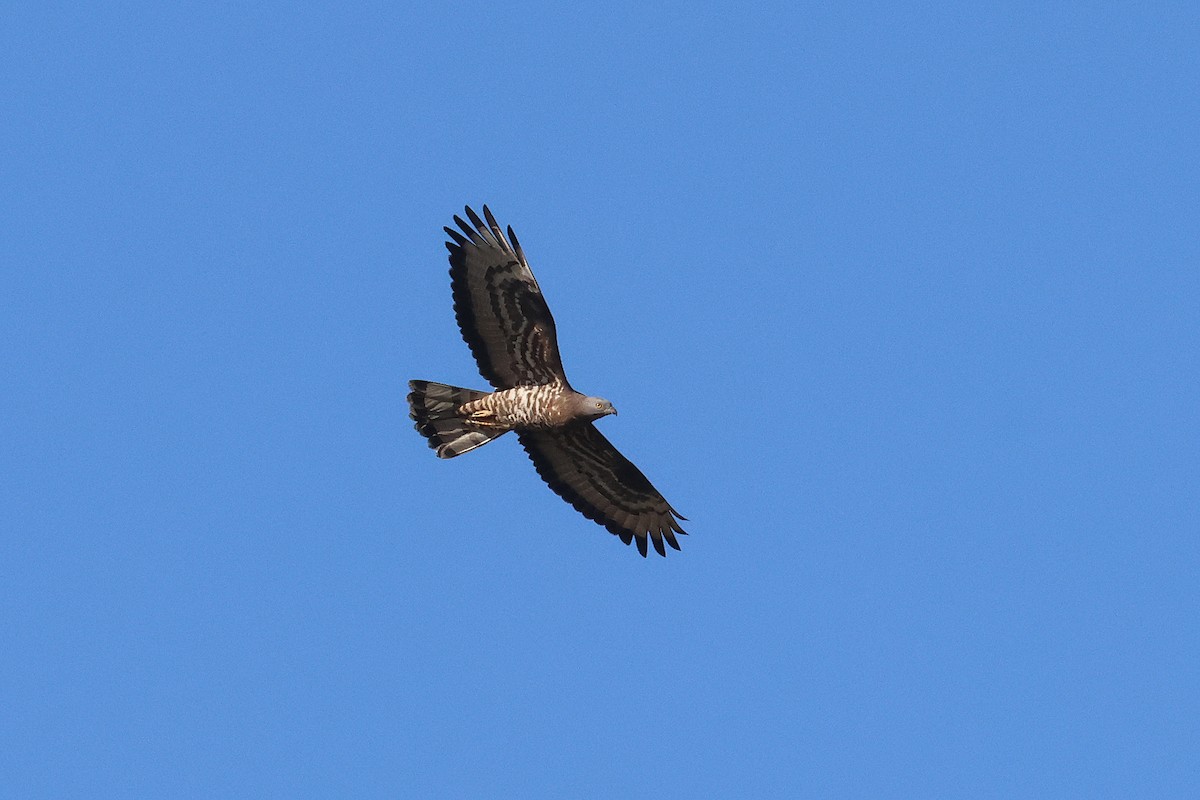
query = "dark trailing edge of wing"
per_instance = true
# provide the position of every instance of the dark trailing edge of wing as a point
(627, 476)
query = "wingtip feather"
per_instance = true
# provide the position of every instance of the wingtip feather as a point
(669, 535)
(512, 237)
(475, 220)
(487, 214)
(497, 231)
(467, 229)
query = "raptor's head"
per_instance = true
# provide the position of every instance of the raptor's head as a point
(595, 407)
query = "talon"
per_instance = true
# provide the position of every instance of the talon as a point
(483, 418)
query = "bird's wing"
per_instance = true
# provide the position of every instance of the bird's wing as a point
(586, 470)
(499, 305)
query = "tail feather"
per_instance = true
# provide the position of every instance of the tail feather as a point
(434, 406)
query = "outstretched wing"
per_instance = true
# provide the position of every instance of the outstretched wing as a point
(587, 471)
(499, 305)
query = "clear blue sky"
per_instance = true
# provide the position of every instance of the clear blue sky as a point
(900, 306)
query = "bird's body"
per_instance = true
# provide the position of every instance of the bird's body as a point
(542, 407)
(505, 321)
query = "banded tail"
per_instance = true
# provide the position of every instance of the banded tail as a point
(434, 406)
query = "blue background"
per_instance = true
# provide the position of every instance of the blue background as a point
(900, 306)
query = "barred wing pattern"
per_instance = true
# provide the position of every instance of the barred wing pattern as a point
(499, 306)
(584, 468)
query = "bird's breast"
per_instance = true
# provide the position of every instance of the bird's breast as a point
(529, 407)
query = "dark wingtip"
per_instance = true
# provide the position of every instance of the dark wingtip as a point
(467, 229)
(497, 231)
(641, 544)
(512, 237)
(474, 218)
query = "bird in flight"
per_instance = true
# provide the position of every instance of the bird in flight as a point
(505, 321)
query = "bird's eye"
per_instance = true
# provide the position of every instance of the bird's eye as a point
(599, 405)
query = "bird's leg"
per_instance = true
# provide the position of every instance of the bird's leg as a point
(484, 418)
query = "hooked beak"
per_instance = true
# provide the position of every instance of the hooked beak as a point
(612, 410)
